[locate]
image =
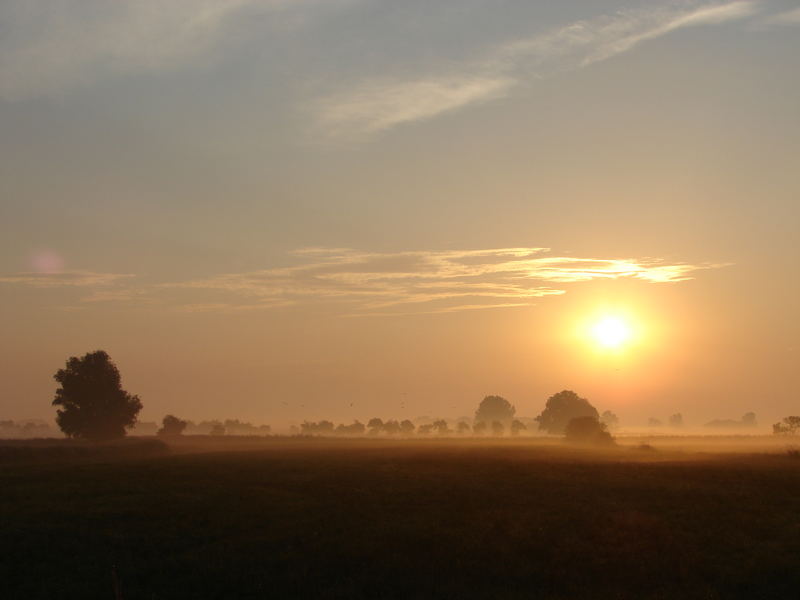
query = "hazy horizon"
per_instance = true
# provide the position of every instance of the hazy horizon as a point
(283, 210)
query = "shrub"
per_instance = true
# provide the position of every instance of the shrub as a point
(588, 430)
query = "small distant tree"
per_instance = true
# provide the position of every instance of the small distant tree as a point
(425, 429)
(676, 420)
(407, 427)
(588, 430)
(609, 419)
(494, 408)
(653, 422)
(217, 429)
(480, 428)
(463, 428)
(517, 426)
(355, 428)
(391, 427)
(561, 408)
(172, 425)
(375, 425)
(788, 426)
(440, 427)
(749, 419)
(498, 429)
(92, 403)
(322, 428)
(237, 427)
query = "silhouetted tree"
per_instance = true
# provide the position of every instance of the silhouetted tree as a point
(653, 422)
(498, 429)
(789, 426)
(749, 419)
(313, 428)
(440, 426)
(217, 429)
(172, 425)
(425, 429)
(587, 430)
(480, 428)
(609, 419)
(375, 425)
(355, 428)
(494, 408)
(517, 426)
(407, 427)
(391, 427)
(676, 420)
(561, 408)
(462, 428)
(93, 404)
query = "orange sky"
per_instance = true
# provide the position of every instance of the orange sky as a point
(267, 218)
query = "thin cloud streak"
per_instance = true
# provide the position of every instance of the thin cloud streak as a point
(360, 283)
(66, 279)
(354, 283)
(378, 105)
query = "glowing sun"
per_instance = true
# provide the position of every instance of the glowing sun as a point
(611, 332)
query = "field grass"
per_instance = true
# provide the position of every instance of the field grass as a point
(374, 519)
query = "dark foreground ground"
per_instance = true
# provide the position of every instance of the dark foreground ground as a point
(366, 519)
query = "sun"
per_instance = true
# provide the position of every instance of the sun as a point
(611, 332)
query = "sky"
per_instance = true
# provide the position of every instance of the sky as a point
(278, 210)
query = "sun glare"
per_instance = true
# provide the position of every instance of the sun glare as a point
(611, 332)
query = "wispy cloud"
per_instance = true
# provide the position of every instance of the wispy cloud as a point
(354, 283)
(49, 46)
(422, 281)
(66, 279)
(376, 105)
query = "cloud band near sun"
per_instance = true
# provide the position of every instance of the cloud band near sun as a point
(352, 282)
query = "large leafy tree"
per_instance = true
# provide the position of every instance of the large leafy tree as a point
(494, 408)
(93, 404)
(561, 408)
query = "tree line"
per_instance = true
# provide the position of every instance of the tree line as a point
(93, 405)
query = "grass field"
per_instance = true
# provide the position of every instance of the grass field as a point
(382, 519)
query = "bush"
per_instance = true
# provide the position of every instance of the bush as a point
(588, 430)
(172, 425)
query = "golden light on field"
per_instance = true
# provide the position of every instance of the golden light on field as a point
(611, 332)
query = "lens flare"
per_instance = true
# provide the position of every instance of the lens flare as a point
(47, 261)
